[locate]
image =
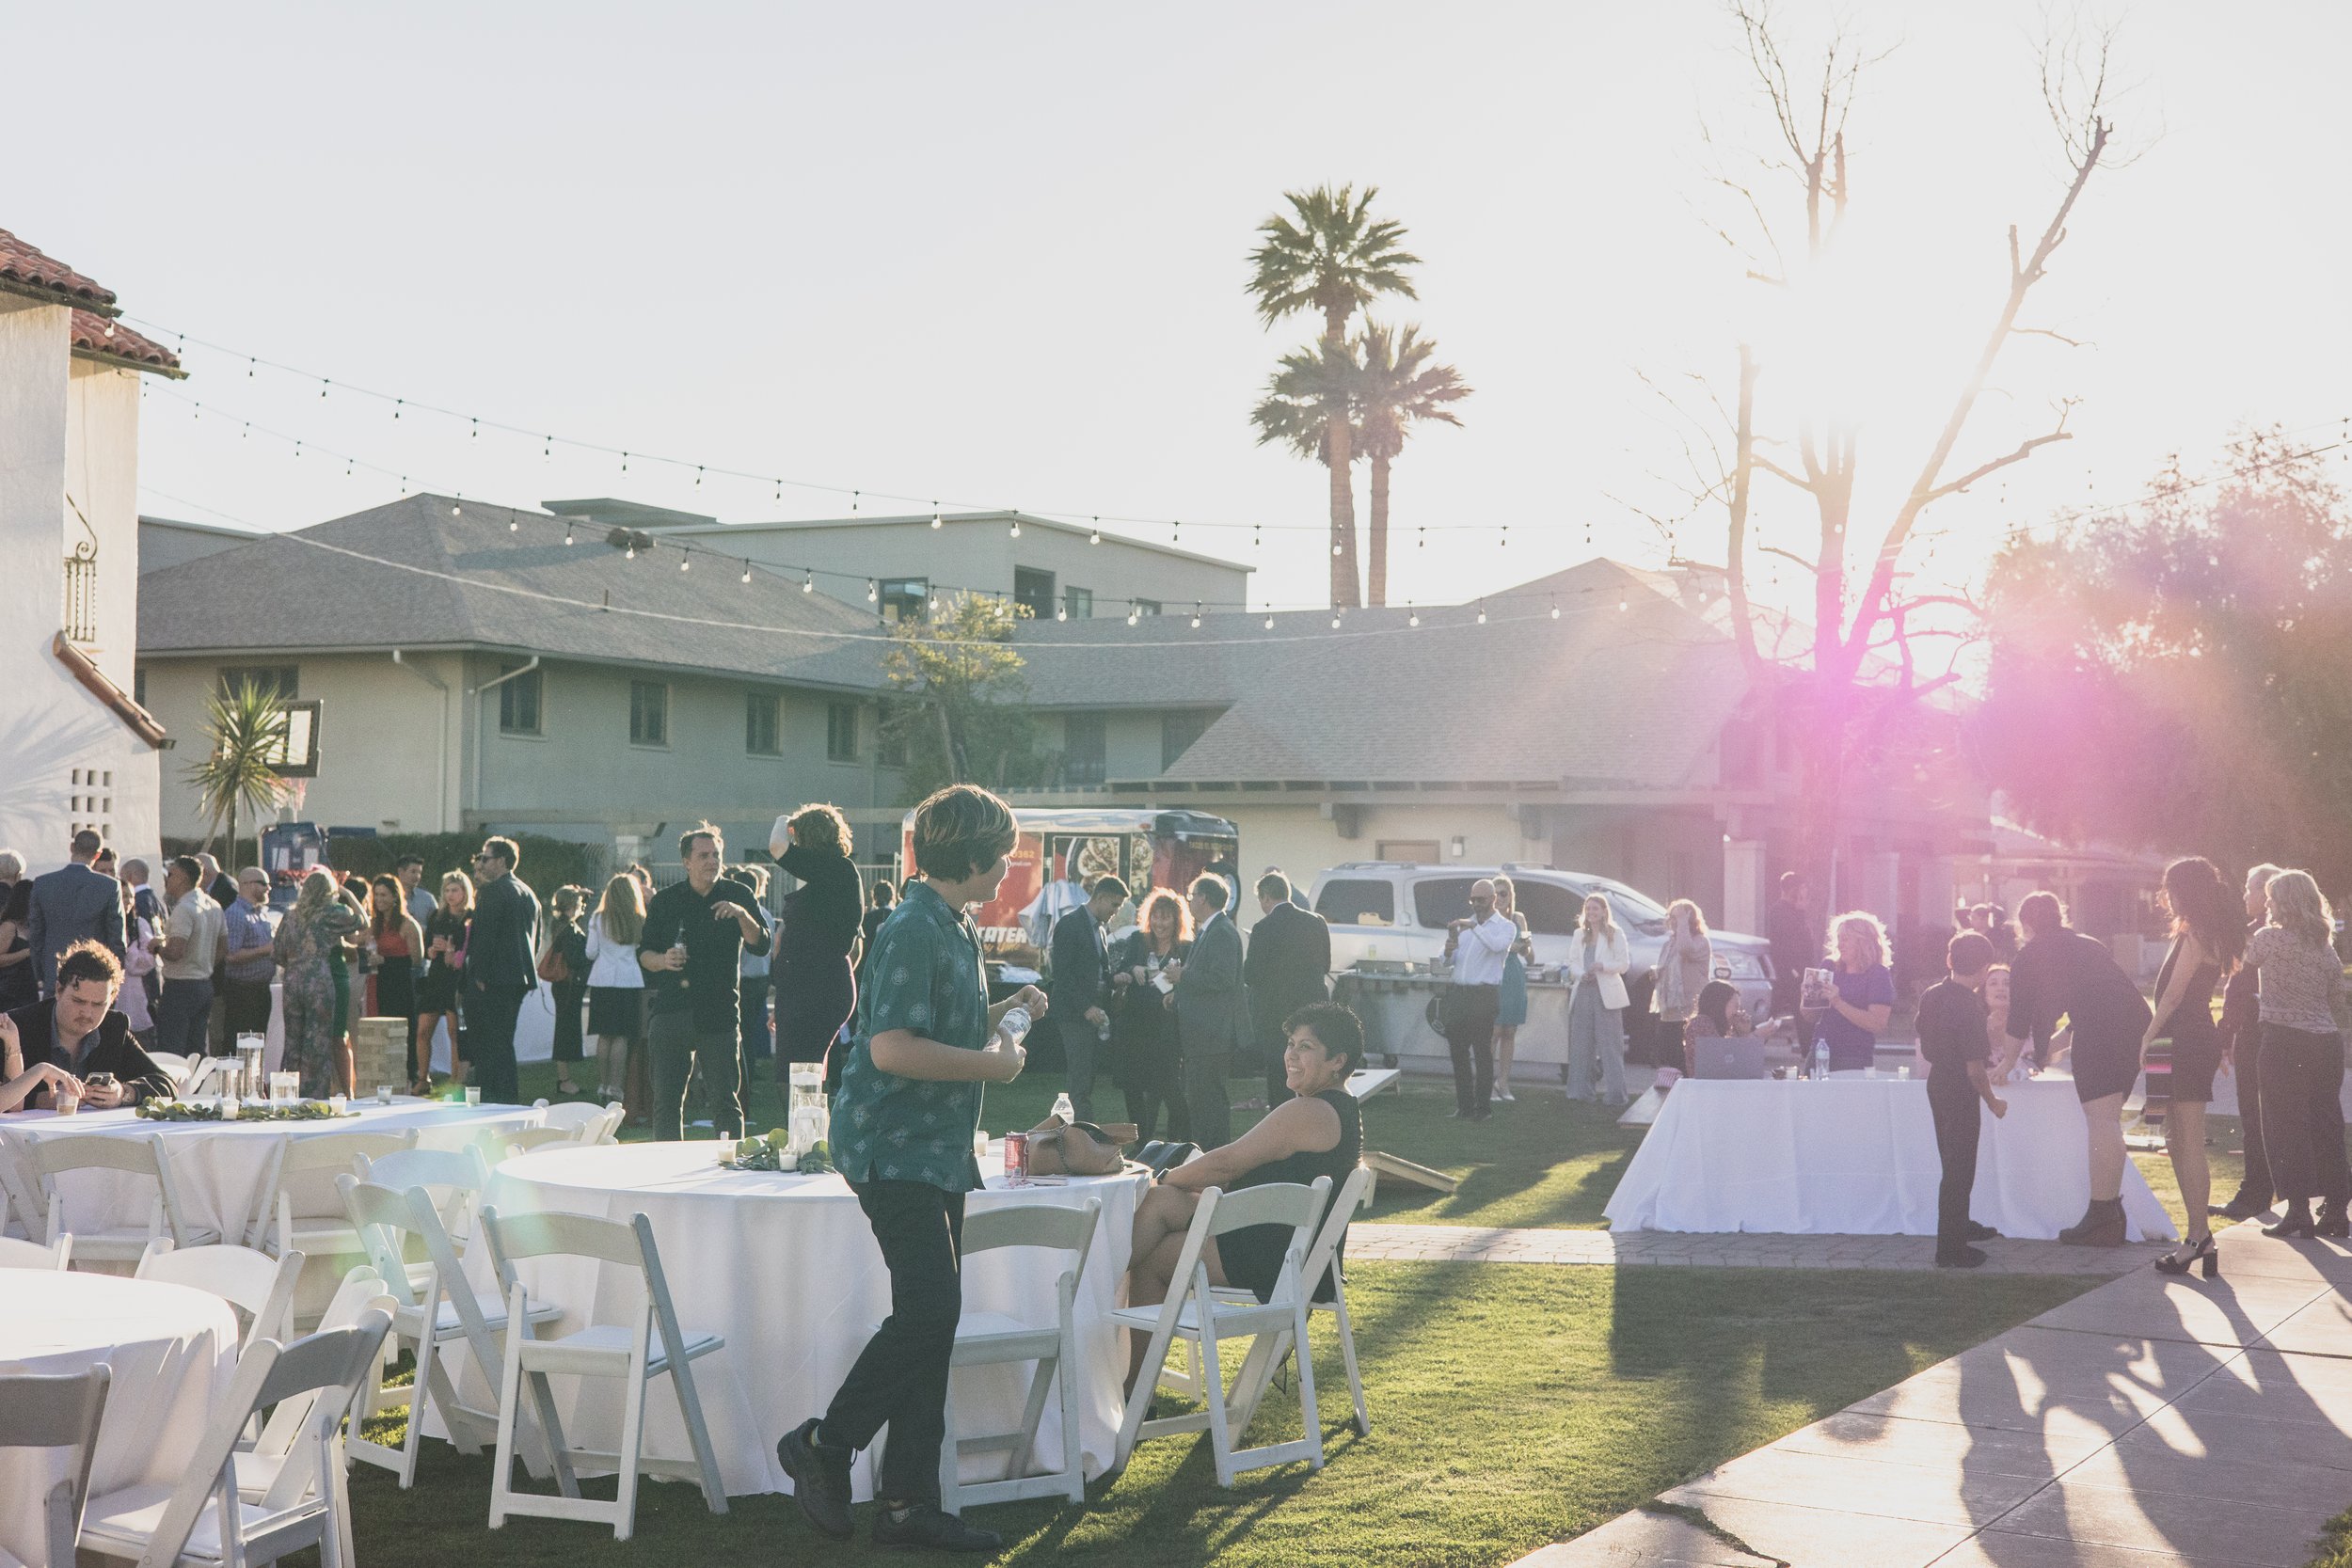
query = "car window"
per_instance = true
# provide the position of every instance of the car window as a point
(1636, 913)
(1551, 909)
(1440, 901)
(1357, 901)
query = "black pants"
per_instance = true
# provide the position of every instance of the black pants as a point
(752, 1007)
(245, 1003)
(2256, 1188)
(1080, 1044)
(2302, 1116)
(678, 1045)
(901, 1378)
(183, 1017)
(1207, 1100)
(1469, 1015)
(1953, 1101)
(490, 1043)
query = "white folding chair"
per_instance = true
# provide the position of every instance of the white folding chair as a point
(616, 1349)
(570, 1116)
(1195, 1313)
(175, 1066)
(1054, 1350)
(437, 1308)
(57, 1413)
(529, 1140)
(1258, 1369)
(257, 1285)
(299, 1204)
(258, 1467)
(32, 1255)
(131, 1156)
(453, 1179)
(201, 1520)
(209, 1077)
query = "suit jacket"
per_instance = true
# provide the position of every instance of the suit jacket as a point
(502, 951)
(115, 1051)
(68, 904)
(1289, 965)
(1212, 1008)
(1081, 968)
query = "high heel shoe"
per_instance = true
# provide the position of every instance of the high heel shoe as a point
(2297, 1221)
(2204, 1252)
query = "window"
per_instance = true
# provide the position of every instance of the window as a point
(890, 749)
(1082, 748)
(1552, 910)
(519, 701)
(841, 732)
(648, 713)
(762, 730)
(1144, 606)
(280, 678)
(905, 598)
(1178, 731)
(1034, 587)
(1355, 902)
(1412, 851)
(1438, 901)
(1079, 603)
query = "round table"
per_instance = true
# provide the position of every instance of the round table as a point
(217, 1167)
(173, 1351)
(1857, 1156)
(786, 1270)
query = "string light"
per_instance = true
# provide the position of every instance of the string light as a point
(1195, 614)
(324, 383)
(455, 509)
(747, 571)
(568, 534)
(1016, 528)
(1555, 607)
(1412, 617)
(1482, 612)
(1096, 537)
(937, 521)
(873, 592)
(1131, 614)
(808, 581)
(1061, 613)
(514, 524)
(685, 562)
(1335, 620)
(1621, 603)
(631, 552)
(1269, 620)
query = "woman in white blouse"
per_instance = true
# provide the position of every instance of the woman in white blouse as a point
(1595, 970)
(1685, 964)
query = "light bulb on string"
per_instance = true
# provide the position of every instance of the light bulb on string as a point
(853, 494)
(747, 571)
(248, 364)
(1096, 536)
(1555, 607)
(297, 451)
(546, 448)
(1412, 616)
(937, 521)
(1504, 542)
(1621, 603)
(1061, 613)
(324, 383)
(1335, 620)
(1269, 620)
(1176, 531)
(1196, 615)
(624, 462)
(568, 534)
(1482, 612)
(1335, 546)
(455, 507)
(685, 562)
(514, 524)
(477, 431)
(396, 405)
(1131, 614)
(1016, 528)
(698, 476)
(873, 592)
(631, 552)
(808, 582)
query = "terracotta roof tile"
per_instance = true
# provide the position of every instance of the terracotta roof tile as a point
(100, 338)
(25, 270)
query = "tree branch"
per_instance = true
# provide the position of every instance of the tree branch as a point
(2024, 450)
(1771, 467)
(1788, 555)
(2045, 332)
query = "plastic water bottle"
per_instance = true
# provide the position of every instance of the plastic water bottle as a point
(1820, 1059)
(1063, 1109)
(1015, 1025)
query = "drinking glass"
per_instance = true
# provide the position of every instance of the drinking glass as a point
(473, 1094)
(284, 1087)
(383, 1094)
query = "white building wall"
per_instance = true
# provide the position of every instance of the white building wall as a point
(65, 429)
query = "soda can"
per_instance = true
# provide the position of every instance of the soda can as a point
(1016, 1158)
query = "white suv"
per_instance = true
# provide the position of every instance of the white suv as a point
(1394, 909)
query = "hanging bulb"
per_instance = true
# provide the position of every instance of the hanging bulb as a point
(1016, 528)
(455, 509)
(1335, 548)
(477, 430)
(1482, 612)
(1062, 613)
(873, 592)
(1131, 615)
(747, 571)
(568, 534)
(1196, 617)
(396, 402)
(698, 476)
(808, 582)
(249, 368)
(1096, 537)
(324, 383)
(624, 462)
(1413, 616)
(1257, 536)
(298, 444)
(1505, 543)
(1555, 607)
(514, 524)
(937, 521)
(632, 549)
(1621, 601)
(685, 562)
(853, 496)
(1269, 620)
(1176, 532)
(1335, 620)
(546, 448)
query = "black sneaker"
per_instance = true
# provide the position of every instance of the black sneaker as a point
(1966, 1257)
(1982, 1232)
(2243, 1206)
(820, 1478)
(927, 1526)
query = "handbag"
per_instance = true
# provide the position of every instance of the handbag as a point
(553, 967)
(1080, 1149)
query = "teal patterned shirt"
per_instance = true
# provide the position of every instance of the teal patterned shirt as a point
(925, 976)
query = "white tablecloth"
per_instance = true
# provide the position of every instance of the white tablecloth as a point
(218, 1167)
(1857, 1156)
(173, 1351)
(786, 1270)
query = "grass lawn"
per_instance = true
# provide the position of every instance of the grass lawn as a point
(1510, 1406)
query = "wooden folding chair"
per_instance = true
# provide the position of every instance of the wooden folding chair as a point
(621, 1349)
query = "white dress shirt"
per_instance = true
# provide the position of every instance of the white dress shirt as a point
(1479, 951)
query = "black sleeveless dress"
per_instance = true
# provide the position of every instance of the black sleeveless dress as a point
(2196, 1042)
(1253, 1255)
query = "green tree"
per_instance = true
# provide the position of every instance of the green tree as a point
(2174, 680)
(245, 731)
(1396, 387)
(1311, 390)
(1330, 256)
(961, 695)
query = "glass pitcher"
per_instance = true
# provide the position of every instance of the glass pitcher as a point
(252, 1081)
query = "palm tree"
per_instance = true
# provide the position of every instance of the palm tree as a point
(244, 728)
(1395, 388)
(1311, 393)
(1332, 257)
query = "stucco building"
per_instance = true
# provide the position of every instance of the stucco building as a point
(81, 753)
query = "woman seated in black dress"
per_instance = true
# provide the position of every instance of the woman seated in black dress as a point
(1318, 1132)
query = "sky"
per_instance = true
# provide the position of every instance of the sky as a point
(995, 255)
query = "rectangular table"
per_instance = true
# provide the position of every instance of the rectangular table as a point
(1857, 1156)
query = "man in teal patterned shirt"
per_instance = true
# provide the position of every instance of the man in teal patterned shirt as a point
(927, 1041)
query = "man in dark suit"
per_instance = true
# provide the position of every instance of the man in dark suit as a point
(73, 902)
(78, 1031)
(501, 967)
(1082, 987)
(1212, 1011)
(1289, 965)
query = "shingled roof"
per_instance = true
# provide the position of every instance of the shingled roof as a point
(1599, 697)
(431, 572)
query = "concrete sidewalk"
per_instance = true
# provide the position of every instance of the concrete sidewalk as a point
(1463, 1243)
(2148, 1423)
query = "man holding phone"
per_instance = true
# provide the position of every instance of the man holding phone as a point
(691, 951)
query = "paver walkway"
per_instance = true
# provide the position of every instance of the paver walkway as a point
(1462, 1244)
(2148, 1423)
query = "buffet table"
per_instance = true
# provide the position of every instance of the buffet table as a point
(1394, 1008)
(785, 1269)
(1857, 1156)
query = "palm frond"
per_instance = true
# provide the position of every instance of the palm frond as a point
(1312, 386)
(245, 731)
(1330, 257)
(1397, 388)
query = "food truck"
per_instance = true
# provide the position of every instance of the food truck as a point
(1059, 852)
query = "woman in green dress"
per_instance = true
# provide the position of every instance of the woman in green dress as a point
(310, 943)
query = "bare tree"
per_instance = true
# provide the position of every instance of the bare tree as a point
(1859, 677)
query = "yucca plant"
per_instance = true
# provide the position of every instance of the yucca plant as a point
(244, 730)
